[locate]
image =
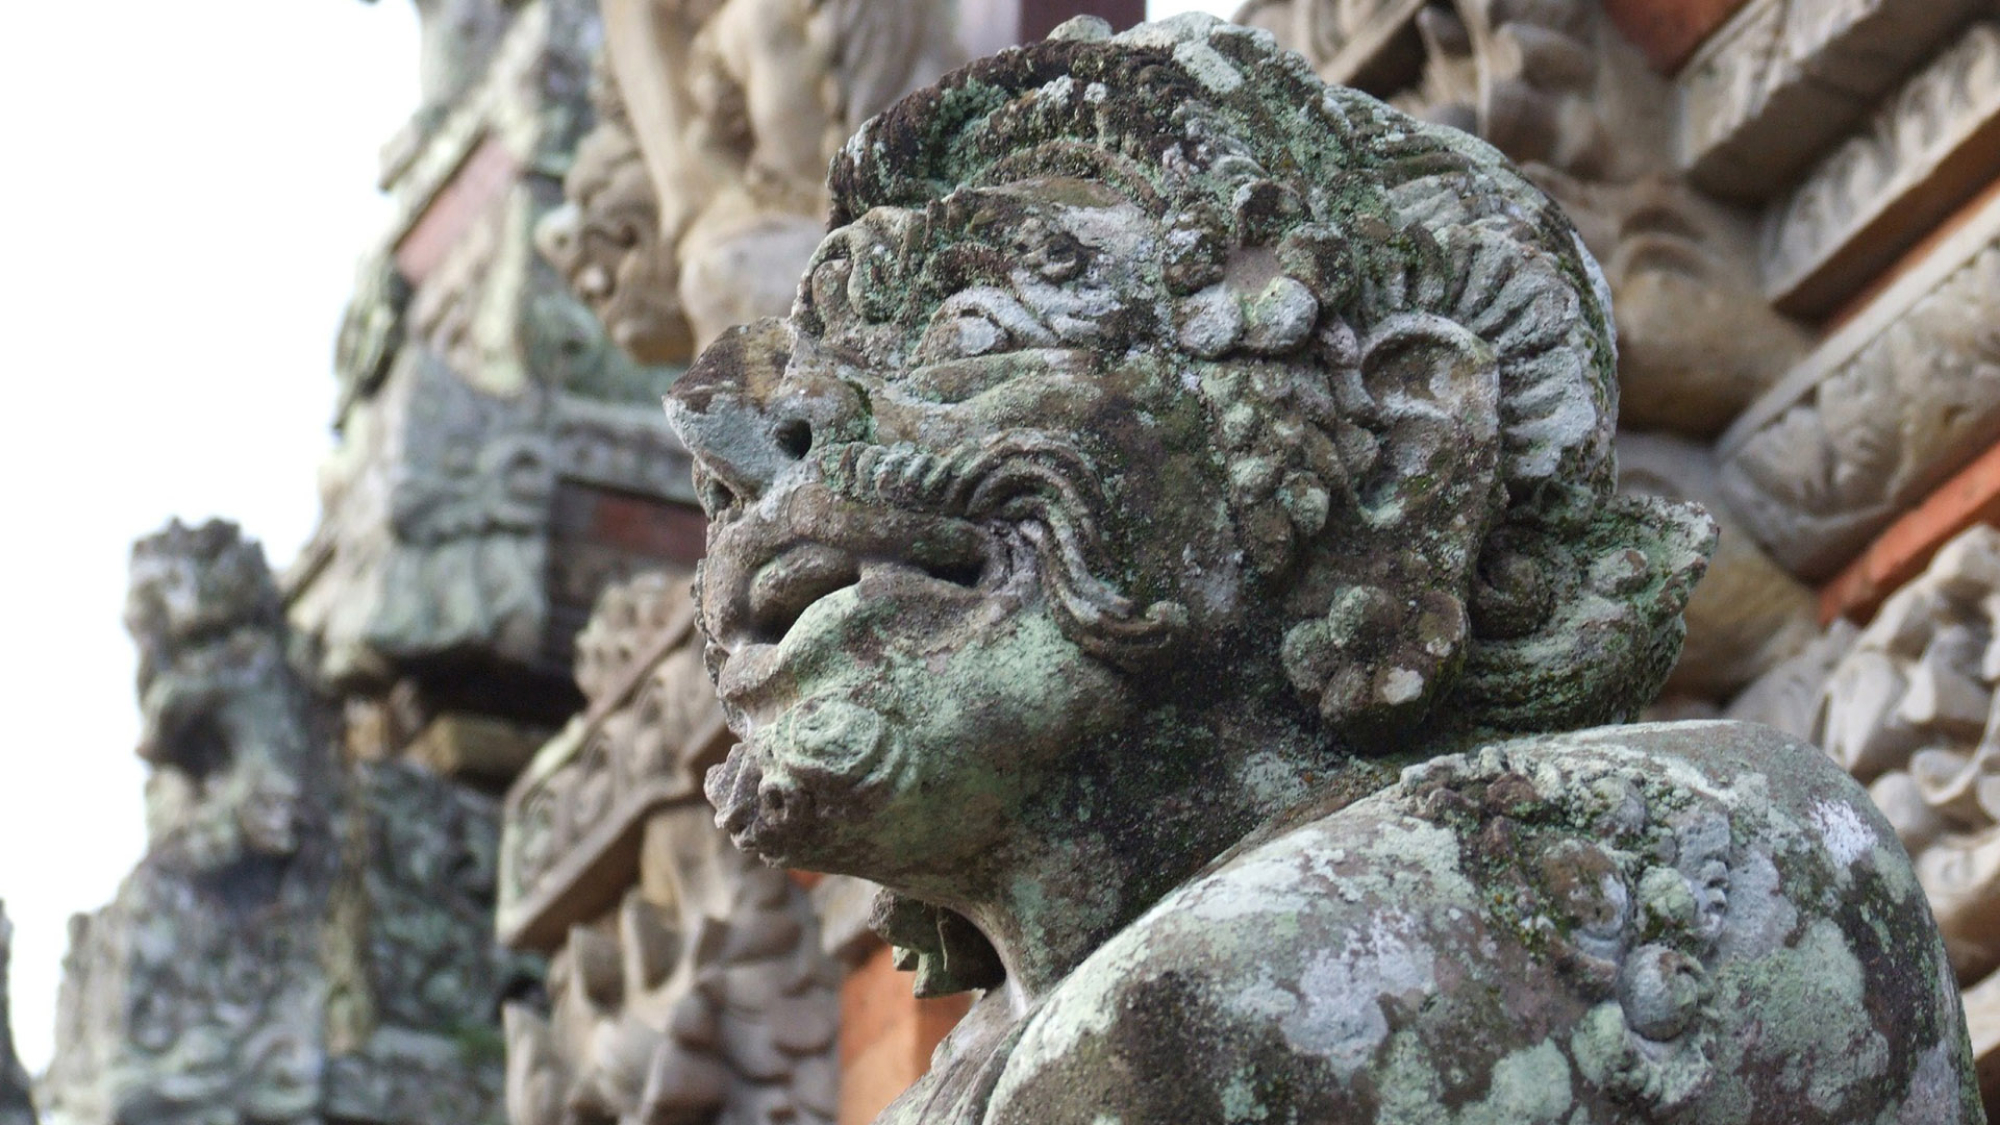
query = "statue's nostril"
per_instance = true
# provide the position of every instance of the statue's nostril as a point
(795, 437)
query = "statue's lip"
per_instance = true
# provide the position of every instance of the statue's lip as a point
(763, 576)
(748, 673)
(764, 571)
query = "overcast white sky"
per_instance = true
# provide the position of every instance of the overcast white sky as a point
(187, 188)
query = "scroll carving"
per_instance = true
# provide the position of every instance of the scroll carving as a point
(1786, 78)
(1936, 141)
(1747, 615)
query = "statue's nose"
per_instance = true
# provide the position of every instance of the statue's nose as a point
(749, 413)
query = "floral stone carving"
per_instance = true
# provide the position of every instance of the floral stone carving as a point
(1172, 546)
(1910, 710)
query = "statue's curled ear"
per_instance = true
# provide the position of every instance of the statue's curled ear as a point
(1417, 429)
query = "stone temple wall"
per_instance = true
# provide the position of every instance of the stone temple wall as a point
(310, 935)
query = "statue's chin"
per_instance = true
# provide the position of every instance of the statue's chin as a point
(785, 797)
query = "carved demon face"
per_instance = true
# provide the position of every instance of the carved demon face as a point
(921, 585)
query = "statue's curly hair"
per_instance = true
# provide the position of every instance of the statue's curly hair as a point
(1447, 556)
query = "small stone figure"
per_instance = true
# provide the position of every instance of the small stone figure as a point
(1171, 544)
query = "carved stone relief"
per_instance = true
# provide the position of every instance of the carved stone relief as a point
(1747, 615)
(1933, 143)
(1879, 414)
(479, 395)
(1910, 709)
(702, 194)
(432, 537)
(1555, 87)
(607, 241)
(687, 982)
(1786, 78)
(297, 934)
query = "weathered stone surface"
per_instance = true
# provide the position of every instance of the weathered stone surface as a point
(1786, 78)
(699, 196)
(1879, 414)
(296, 935)
(478, 398)
(1166, 547)
(1930, 147)
(17, 1106)
(1748, 614)
(687, 982)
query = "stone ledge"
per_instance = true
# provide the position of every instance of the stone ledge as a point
(1785, 78)
(1934, 144)
(594, 872)
(1880, 414)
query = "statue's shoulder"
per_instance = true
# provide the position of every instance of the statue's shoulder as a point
(1689, 921)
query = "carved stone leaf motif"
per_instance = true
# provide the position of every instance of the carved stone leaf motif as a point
(1747, 615)
(1879, 429)
(638, 662)
(1911, 709)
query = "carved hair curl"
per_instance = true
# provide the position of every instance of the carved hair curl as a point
(1446, 553)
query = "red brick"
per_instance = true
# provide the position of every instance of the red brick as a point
(1903, 551)
(886, 1036)
(1668, 31)
(480, 182)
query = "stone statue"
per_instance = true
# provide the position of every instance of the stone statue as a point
(1172, 545)
(16, 1106)
(304, 940)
